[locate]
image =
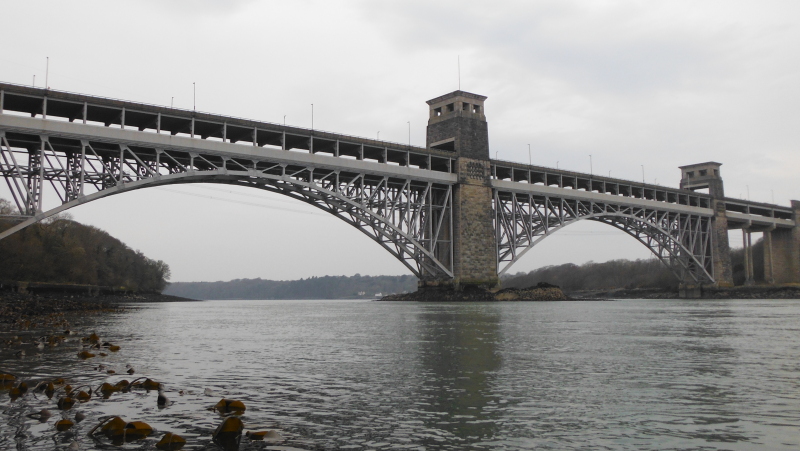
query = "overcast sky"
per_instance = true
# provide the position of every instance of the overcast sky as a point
(643, 87)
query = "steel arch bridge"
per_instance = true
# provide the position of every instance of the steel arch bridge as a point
(406, 216)
(81, 148)
(682, 241)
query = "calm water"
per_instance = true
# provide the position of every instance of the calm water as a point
(355, 375)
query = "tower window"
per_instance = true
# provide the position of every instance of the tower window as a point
(465, 106)
(451, 107)
(703, 172)
(690, 174)
(716, 172)
(437, 112)
(476, 109)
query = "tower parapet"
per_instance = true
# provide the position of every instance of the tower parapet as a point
(457, 123)
(701, 176)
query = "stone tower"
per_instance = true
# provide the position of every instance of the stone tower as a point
(707, 176)
(457, 123)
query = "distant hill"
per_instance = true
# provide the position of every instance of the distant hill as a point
(647, 273)
(62, 251)
(327, 287)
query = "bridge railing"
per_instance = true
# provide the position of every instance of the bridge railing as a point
(66, 106)
(506, 170)
(523, 173)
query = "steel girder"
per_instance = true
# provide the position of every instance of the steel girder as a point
(682, 241)
(409, 218)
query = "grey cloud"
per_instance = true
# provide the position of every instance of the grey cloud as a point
(615, 50)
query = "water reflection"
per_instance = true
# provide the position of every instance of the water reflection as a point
(702, 398)
(460, 353)
(628, 375)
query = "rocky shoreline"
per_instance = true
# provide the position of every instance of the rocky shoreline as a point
(28, 311)
(740, 292)
(543, 292)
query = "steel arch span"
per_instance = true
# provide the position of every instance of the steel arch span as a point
(410, 218)
(682, 241)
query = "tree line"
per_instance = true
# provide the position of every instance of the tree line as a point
(327, 287)
(60, 250)
(643, 273)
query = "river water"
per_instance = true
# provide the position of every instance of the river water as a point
(356, 375)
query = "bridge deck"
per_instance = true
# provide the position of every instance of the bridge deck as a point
(172, 127)
(741, 213)
(65, 106)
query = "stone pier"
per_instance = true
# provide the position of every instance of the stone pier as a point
(707, 176)
(457, 123)
(782, 252)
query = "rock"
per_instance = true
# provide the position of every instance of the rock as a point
(538, 293)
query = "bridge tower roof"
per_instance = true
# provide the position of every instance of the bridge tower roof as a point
(701, 176)
(457, 123)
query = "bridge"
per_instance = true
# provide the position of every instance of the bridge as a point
(451, 214)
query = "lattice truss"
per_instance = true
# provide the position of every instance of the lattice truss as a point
(681, 241)
(411, 219)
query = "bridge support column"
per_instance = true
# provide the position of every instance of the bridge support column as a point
(474, 244)
(457, 124)
(707, 175)
(769, 266)
(747, 248)
(783, 247)
(720, 248)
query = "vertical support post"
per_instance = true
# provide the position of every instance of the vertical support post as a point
(255, 137)
(120, 166)
(122, 119)
(795, 246)
(452, 239)
(44, 108)
(311, 145)
(224, 132)
(192, 127)
(748, 277)
(769, 267)
(2, 99)
(750, 255)
(283, 141)
(85, 111)
(82, 167)
(158, 123)
(336, 149)
(37, 193)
